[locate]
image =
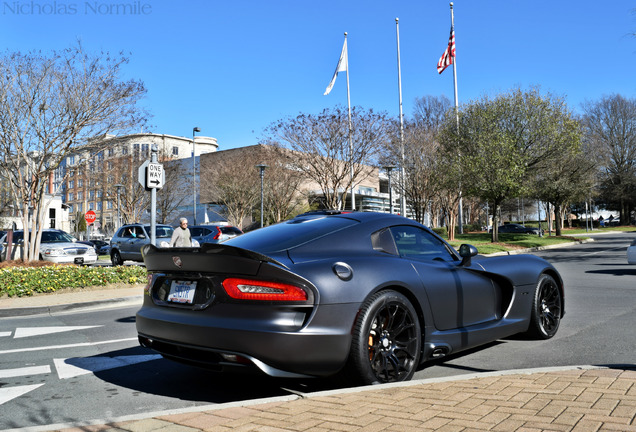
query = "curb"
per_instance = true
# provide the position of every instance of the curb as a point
(539, 248)
(56, 309)
(298, 396)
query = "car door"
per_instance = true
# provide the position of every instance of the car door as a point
(132, 239)
(459, 296)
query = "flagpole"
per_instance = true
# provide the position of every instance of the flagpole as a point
(402, 172)
(460, 215)
(353, 197)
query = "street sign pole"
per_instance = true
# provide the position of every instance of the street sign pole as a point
(152, 177)
(153, 201)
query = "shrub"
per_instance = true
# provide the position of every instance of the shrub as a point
(26, 280)
(442, 232)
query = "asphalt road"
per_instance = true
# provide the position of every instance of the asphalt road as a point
(82, 366)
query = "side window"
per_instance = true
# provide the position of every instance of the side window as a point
(414, 242)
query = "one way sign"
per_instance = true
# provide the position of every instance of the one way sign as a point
(152, 175)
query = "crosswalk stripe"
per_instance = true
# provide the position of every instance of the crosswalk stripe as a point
(39, 331)
(25, 371)
(8, 393)
(72, 367)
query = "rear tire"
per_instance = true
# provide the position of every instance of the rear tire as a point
(546, 309)
(386, 340)
(115, 258)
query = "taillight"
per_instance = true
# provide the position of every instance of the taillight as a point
(218, 234)
(247, 289)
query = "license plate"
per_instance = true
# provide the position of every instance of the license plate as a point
(182, 291)
(78, 261)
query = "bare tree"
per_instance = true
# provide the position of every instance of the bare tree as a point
(230, 179)
(610, 133)
(49, 105)
(283, 195)
(176, 191)
(324, 153)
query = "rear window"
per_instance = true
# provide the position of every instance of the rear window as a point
(290, 234)
(161, 231)
(230, 230)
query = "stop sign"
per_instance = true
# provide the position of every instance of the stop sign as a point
(90, 217)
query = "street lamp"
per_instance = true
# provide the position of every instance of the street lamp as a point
(261, 166)
(388, 171)
(118, 187)
(194, 177)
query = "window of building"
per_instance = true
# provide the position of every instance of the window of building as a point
(71, 195)
(175, 151)
(124, 149)
(80, 195)
(111, 151)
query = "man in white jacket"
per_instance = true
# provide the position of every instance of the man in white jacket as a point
(181, 236)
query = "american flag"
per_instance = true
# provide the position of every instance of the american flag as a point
(447, 58)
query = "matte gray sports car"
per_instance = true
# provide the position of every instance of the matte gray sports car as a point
(370, 295)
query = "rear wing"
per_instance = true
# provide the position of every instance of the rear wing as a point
(207, 258)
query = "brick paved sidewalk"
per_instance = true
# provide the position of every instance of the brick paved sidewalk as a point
(577, 399)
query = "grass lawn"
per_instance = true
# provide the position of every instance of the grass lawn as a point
(521, 241)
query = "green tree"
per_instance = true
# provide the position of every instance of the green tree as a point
(503, 144)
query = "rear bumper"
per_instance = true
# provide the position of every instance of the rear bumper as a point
(277, 341)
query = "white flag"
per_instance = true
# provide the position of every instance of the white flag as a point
(343, 63)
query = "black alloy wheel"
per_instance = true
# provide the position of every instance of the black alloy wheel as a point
(546, 309)
(386, 341)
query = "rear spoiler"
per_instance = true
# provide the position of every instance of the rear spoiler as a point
(208, 258)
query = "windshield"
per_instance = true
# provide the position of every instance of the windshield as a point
(47, 237)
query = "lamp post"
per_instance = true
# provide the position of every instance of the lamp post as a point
(261, 166)
(388, 171)
(118, 187)
(194, 178)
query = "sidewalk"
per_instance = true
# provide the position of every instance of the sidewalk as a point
(577, 398)
(566, 399)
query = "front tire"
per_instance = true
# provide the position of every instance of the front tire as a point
(386, 340)
(546, 309)
(115, 258)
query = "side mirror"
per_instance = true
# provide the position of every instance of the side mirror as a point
(467, 251)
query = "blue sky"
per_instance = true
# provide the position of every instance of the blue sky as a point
(232, 67)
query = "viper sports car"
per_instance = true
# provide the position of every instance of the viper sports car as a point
(370, 296)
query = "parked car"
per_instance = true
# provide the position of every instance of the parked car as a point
(631, 253)
(512, 228)
(371, 296)
(101, 247)
(214, 233)
(126, 244)
(56, 246)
